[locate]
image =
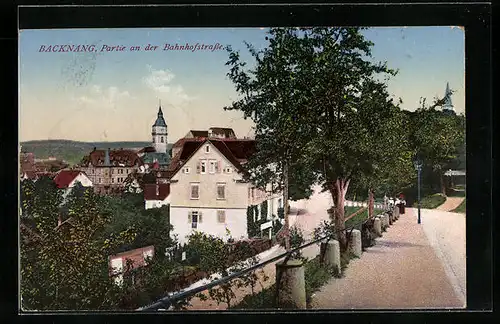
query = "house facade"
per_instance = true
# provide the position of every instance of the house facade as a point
(108, 169)
(208, 192)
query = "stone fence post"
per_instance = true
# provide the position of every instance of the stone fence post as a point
(332, 255)
(377, 224)
(355, 243)
(292, 286)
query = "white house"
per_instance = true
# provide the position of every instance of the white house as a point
(207, 189)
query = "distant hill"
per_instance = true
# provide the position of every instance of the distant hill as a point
(74, 151)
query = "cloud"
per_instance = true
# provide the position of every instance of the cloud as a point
(160, 81)
(107, 98)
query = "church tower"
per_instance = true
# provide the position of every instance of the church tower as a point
(159, 133)
(448, 105)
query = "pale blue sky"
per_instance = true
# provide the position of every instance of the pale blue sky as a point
(114, 95)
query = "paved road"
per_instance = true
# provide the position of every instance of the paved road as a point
(451, 203)
(446, 234)
(402, 271)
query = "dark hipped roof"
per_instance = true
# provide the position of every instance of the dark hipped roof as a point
(150, 191)
(127, 157)
(235, 151)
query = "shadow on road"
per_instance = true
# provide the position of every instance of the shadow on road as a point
(393, 244)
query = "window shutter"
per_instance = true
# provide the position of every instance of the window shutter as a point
(218, 167)
(200, 218)
(198, 167)
(190, 218)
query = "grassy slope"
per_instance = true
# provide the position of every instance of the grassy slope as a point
(73, 151)
(461, 208)
(431, 202)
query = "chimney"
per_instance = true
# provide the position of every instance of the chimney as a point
(106, 158)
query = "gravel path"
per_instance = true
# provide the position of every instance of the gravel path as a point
(402, 271)
(450, 203)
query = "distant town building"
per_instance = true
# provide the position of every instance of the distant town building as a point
(108, 169)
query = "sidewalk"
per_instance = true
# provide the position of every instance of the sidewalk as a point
(401, 271)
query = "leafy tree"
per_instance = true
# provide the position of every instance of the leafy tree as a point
(437, 137)
(152, 226)
(269, 94)
(65, 266)
(221, 259)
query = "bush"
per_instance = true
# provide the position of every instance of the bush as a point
(261, 300)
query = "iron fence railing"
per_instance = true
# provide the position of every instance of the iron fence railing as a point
(170, 300)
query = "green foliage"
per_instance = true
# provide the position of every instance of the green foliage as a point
(66, 267)
(357, 220)
(217, 257)
(152, 225)
(296, 240)
(264, 299)
(263, 210)
(316, 275)
(431, 202)
(438, 138)
(281, 213)
(254, 220)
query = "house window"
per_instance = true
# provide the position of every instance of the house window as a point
(186, 170)
(100, 181)
(93, 171)
(154, 140)
(221, 191)
(212, 165)
(112, 180)
(162, 139)
(228, 170)
(128, 171)
(112, 171)
(203, 166)
(207, 149)
(194, 217)
(221, 216)
(195, 191)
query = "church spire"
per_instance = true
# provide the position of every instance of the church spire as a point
(160, 113)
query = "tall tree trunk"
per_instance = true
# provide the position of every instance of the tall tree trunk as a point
(285, 207)
(338, 190)
(371, 202)
(443, 184)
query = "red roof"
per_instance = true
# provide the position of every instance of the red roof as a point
(65, 177)
(151, 192)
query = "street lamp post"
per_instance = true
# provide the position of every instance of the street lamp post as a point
(418, 167)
